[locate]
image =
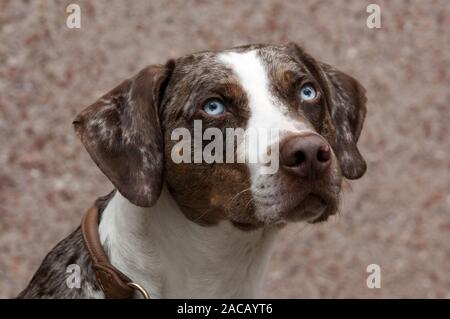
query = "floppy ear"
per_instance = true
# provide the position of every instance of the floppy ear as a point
(348, 111)
(346, 101)
(122, 134)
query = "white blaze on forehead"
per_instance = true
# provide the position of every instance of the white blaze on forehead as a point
(266, 111)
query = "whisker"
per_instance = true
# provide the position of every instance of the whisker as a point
(239, 193)
(202, 214)
(248, 203)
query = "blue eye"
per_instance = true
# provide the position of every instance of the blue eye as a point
(307, 92)
(214, 107)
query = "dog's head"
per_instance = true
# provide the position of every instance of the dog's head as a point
(317, 111)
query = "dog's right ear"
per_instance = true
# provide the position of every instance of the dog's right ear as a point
(122, 134)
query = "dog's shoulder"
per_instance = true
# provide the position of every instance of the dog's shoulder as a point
(66, 272)
(57, 275)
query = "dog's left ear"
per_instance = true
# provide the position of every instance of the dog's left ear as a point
(346, 100)
(122, 134)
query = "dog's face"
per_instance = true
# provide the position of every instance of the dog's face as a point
(316, 111)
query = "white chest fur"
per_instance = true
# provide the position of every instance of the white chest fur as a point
(172, 257)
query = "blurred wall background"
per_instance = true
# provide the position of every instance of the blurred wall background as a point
(396, 216)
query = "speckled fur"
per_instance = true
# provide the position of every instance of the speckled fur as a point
(49, 281)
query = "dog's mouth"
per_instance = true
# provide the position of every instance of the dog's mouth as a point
(246, 226)
(312, 208)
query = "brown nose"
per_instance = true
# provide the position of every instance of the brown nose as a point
(308, 157)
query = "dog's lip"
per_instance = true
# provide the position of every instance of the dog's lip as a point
(245, 225)
(311, 208)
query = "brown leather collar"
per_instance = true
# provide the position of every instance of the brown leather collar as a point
(114, 283)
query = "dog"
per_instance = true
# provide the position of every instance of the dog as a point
(196, 230)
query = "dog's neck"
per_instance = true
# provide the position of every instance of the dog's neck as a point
(173, 257)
